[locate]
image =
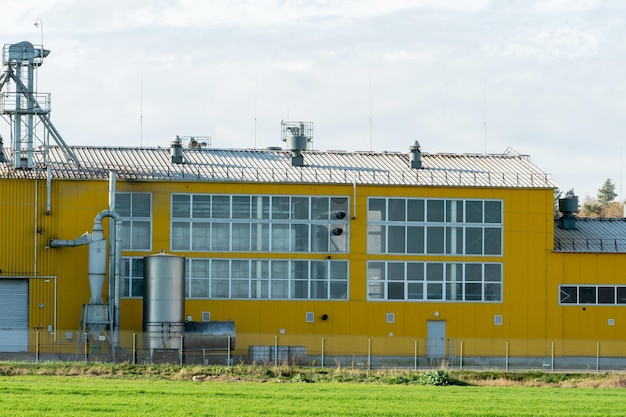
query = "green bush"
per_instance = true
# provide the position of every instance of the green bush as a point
(439, 377)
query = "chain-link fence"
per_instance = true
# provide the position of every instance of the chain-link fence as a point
(315, 350)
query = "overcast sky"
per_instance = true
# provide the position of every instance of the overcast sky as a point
(544, 78)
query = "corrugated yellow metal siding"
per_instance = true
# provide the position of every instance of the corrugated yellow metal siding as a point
(17, 223)
(576, 322)
(531, 272)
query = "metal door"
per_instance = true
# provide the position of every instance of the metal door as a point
(13, 315)
(436, 341)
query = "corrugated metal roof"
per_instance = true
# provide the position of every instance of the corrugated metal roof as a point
(592, 236)
(256, 165)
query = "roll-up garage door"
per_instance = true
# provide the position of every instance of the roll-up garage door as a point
(13, 315)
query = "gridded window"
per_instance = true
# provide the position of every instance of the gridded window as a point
(136, 212)
(131, 277)
(592, 294)
(434, 226)
(434, 281)
(267, 279)
(244, 223)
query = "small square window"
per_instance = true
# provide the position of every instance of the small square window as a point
(390, 318)
(206, 316)
(497, 320)
(611, 322)
(310, 317)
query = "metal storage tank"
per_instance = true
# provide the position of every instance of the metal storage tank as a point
(163, 301)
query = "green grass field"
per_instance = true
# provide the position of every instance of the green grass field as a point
(84, 396)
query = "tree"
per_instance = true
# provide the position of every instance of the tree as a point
(603, 206)
(606, 193)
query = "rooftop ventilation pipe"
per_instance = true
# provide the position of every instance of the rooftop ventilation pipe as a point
(415, 155)
(176, 150)
(296, 143)
(296, 135)
(568, 207)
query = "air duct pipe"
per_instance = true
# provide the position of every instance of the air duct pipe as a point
(415, 155)
(97, 252)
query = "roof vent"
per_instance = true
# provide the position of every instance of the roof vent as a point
(176, 150)
(568, 207)
(296, 135)
(415, 155)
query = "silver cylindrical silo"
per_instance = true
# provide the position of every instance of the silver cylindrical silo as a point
(163, 301)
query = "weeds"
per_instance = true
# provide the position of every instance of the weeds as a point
(297, 374)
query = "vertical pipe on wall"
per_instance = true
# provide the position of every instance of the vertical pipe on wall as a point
(322, 352)
(112, 253)
(597, 356)
(506, 358)
(35, 222)
(48, 190)
(369, 353)
(354, 199)
(461, 356)
(55, 309)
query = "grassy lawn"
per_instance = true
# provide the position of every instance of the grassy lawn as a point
(28, 395)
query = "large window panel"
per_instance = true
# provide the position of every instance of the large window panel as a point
(201, 207)
(246, 223)
(473, 241)
(493, 241)
(241, 237)
(434, 281)
(454, 211)
(415, 239)
(220, 207)
(180, 236)
(474, 210)
(397, 209)
(415, 210)
(592, 294)
(435, 211)
(474, 227)
(201, 236)
(377, 209)
(493, 212)
(435, 240)
(397, 239)
(376, 239)
(135, 209)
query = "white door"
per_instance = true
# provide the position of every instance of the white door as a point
(13, 315)
(436, 341)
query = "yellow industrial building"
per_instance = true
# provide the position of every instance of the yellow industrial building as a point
(311, 245)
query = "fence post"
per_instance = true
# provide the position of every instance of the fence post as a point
(597, 356)
(322, 351)
(506, 358)
(134, 348)
(181, 350)
(275, 350)
(415, 349)
(461, 356)
(552, 358)
(228, 354)
(369, 353)
(37, 346)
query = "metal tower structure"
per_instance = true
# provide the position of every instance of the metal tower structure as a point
(24, 108)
